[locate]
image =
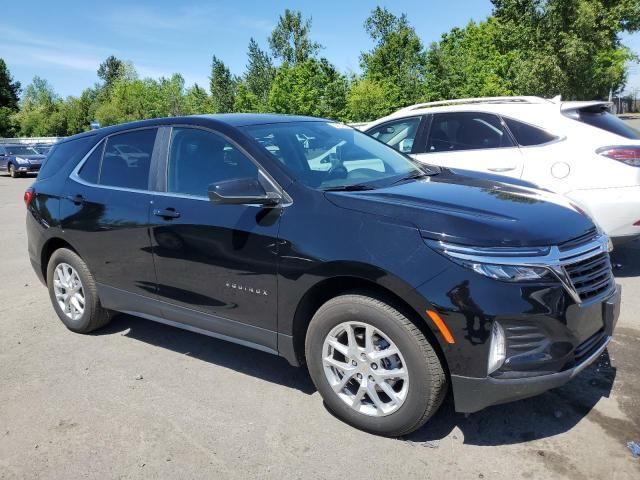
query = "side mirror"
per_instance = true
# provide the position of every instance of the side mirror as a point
(242, 191)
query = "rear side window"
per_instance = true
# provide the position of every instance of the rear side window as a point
(527, 135)
(606, 121)
(63, 154)
(452, 132)
(127, 159)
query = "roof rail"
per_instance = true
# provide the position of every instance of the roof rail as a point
(468, 101)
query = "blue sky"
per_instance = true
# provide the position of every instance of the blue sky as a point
(64, 41)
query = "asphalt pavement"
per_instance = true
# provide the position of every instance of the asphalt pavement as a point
(144, 400)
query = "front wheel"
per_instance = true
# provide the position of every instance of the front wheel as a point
(373, 367)
(73, 293)
(12, 171)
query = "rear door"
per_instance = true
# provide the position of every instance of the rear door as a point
(471, 141)
(216, 264)
(105, 212)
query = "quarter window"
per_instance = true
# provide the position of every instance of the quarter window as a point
(199, 158)
(63, 154)
(90, 170)
(467, 131)
(127, 159)
(527, 135)
(400, 134)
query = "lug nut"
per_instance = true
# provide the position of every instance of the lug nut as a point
(354, 363)
(359, 375)
(371, 379)
(374, 366)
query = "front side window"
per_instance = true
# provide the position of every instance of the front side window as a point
(199, 158)
(399, 134)
(452, 132)
(527, 135)
(127, 159)
(331, 155)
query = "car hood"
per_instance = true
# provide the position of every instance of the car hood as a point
(473, 210)
(32, 157)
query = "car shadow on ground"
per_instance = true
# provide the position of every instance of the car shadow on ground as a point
(219, 352)
(546, 415)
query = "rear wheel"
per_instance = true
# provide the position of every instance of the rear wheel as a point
(373, 367)
(72, 290)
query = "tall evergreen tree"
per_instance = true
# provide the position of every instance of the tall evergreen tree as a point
(221, 86)
(9, 88)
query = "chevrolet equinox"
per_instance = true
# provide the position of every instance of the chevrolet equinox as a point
(391, 280)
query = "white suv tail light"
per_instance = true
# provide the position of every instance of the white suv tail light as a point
(626, 154)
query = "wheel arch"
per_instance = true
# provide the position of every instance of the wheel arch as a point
(332, 287)
(49, 247)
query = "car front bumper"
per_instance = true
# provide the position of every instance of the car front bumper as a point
(473, 394)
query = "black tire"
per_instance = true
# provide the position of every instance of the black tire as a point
(94, 316)
(427, 378)
(12, 171)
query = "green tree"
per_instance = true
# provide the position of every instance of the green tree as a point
(196, 101)
(9, 88)
(258, 79)
(571, 47)
(289, 41)
(398, 58)
(467, 63)
(221, 86)
(368, 100)
(313, 87)
(41, 111)
(111, 70)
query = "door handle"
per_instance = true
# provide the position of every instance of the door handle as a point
(76, 199)
(502, 169)
(167, 213)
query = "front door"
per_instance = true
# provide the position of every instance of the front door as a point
(471, 141)
(216, 264)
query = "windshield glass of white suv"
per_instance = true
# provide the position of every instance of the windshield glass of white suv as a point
(328, 155)
(20, 150)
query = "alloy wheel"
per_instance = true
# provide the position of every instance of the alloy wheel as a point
(69, 291)
(365, 369)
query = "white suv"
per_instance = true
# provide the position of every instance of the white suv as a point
(578, 149)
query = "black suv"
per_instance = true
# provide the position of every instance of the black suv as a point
(305, 238)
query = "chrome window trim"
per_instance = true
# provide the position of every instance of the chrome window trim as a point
(554, 260)
(74, 175)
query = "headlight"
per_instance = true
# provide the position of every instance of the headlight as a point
(500, 263)
(21, 161)
(507, 272)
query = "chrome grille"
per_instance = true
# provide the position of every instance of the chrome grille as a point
(591, 277)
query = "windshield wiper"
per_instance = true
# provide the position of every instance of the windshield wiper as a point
(358, 187)
(416, 175)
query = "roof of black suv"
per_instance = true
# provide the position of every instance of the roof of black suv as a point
(228, 119)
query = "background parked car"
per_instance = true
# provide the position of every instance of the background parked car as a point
(42, 148)
(578, 149)
(18, 160)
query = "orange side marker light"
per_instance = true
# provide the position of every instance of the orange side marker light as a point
(441, 326)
